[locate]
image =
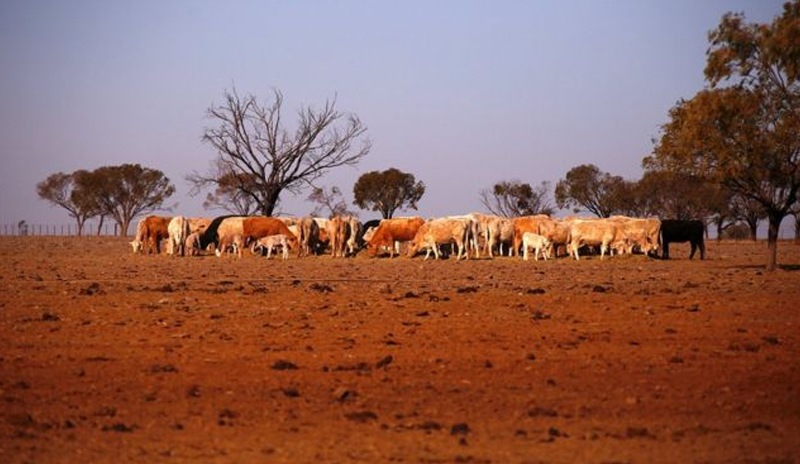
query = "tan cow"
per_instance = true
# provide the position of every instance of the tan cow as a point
(438, 232)
(601, 232)
(230, 233)
(637, 233)
(337, 236)
(394, 230)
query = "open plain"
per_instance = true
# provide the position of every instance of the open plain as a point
(106, 356)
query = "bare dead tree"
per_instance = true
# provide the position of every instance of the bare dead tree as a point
(514, 198)
(267, 158)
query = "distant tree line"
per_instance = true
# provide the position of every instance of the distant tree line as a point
(730, 155)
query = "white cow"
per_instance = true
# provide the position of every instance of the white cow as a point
(270, 243)
(539, 244)
(178, 230)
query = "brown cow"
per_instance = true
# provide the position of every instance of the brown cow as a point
(391, 230)
(150, 231)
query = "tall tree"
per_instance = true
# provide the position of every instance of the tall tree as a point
(66, 191)
(588, 187)
(514, 198)
(387, 191)
(742, 131)
(129, 190)
(252, 142)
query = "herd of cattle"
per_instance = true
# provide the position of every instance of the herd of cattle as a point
(470, 235)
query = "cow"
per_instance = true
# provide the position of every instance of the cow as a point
(229, 233)
(270, 243)
(198, 224)
(638, 233)
(539, 244)
(354, 235)
(394, 230)
(500, 234)
(681, 231)
(598, 232)
(210, 235)
(178, 230)
(192, 244)
(149, 232)
(473, 231)
(337, 235)
(558, 236)
(440, 231)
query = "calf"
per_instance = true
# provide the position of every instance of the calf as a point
(538, 243)
(270, 243)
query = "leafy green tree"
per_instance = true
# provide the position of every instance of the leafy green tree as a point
(515, 198)
(742, 130)
(268, 158)
(387, 191)
(588, 187)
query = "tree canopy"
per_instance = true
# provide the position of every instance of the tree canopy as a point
(743, 130)
(128, 190)
(387, 191)
(69, 192)
(587, 187)
(264, 158)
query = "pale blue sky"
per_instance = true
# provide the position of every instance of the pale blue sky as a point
(462, 94)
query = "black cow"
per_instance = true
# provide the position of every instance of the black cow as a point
(676, 230)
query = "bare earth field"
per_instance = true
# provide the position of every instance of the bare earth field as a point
(110, 357)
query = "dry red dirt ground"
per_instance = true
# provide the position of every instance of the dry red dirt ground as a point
(111, 357)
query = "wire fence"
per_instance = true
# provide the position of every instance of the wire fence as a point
(89, 229)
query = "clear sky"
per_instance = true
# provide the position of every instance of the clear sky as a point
(462, 94)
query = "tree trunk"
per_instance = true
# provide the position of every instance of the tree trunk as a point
(79, 229)
(772, 240)
(720, 229)
(797, 227)
(270, 200)
(753, 230)
(100, 225)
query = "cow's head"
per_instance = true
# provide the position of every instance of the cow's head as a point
(136, 245)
